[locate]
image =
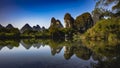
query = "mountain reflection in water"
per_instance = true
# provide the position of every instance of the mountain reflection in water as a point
(36, 53)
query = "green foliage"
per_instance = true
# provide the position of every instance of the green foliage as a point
(35, 34)
(28, 33)
(102, 9)
(9, 33)
(106, 3)
(104, 29)
(83, 21)
(56, 33)
(9, 42)
(67, 30)
(112, 37)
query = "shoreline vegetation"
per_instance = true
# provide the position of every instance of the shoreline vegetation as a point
(98, 25)
(104, 29)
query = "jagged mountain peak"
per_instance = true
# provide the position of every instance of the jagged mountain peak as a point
(9, 26)
(26, 27)
(37, 28)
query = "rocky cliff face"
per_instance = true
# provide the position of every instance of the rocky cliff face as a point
(69, 21)
(59, 25)
(83, 22)
(55, 23)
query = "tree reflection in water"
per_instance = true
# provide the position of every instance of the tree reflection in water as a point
(107, 54)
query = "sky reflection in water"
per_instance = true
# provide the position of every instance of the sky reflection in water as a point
(41, 56)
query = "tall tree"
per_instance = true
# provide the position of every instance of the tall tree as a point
(106, 8)
(104, 4)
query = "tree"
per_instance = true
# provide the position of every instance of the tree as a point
(104, 4)
(103, 9)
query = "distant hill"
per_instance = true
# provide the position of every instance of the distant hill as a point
(9, 26)
(34, 28)
(37, 28)
(26, 27)
(1, 26)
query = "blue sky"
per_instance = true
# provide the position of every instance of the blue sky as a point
(20, 12)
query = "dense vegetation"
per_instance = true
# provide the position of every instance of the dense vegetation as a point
(9, 33)
(104, 30)
(106, 22)
(85, 26)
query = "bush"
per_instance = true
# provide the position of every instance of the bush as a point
(107, 29)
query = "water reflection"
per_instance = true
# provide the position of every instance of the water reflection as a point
(37, 53)
(107, 53)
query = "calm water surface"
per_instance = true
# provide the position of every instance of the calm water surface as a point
(50, 54)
